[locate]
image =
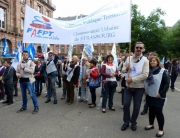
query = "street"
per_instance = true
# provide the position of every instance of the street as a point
(71, 121)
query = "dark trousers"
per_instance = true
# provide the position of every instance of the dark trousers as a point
(15, 87)
(1, 91)
(145, 107)
(122, 96)
(136, 94)
(70, 91)
(9, 92)
(38, 86)
(173, 79)
(93, 95)
(108, 91)
(156, 112)
(59, 79)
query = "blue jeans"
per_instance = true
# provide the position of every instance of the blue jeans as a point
(108, 91)
(38, 86)
(102, 89)
(136, 94)
(173, 79)
(28, 86)
(51, 80)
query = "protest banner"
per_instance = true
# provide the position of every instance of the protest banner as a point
(109, 24)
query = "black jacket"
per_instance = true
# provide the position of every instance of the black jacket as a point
(164, 86)
(8, 75)
(76, 73)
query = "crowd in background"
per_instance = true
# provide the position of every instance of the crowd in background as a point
(135, 75)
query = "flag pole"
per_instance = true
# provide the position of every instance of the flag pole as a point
(130, 40)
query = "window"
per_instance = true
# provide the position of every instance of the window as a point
(110, 44)
(47, 1)
(39, 9)
(95, 44)
(47, 13)
(23, 1)
(81, 50)
(62, 50)
(95, 51)
(22, 23)
(1, 46)
(31, 3)
(102, 44)
(102, 50)
(2, 18)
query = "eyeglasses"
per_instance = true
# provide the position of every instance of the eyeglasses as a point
(139, 47)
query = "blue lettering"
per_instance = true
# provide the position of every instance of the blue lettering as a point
(45, 32)
(50, 33)
(39, 31)
(29, 30)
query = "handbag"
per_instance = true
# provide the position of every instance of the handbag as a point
(118, 78)
(112, 83)
(95, 83)
(84, 81)
(123, 82)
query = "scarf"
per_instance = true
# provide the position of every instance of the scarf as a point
(150, 79)
(72, 65)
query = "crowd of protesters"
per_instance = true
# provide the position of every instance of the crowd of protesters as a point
(135, 74)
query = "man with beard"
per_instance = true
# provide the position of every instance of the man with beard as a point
(72, 72)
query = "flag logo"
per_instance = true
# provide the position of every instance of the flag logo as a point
(41, 23)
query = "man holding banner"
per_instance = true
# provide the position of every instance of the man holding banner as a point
(137, 69)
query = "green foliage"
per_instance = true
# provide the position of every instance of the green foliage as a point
(151, 31)
(74, 52)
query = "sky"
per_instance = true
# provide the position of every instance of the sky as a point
(66, 8)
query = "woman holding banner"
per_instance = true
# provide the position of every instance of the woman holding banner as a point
(109, 72)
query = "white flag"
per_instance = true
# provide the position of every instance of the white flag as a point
(70, 52)
(113, 52)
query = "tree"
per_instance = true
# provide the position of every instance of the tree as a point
(150, 30)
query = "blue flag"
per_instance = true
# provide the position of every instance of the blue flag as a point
(6, 50)
(31, 50)
(89, 49)
(23, 46)
(44, 48)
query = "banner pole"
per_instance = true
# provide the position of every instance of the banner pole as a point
(129, 61)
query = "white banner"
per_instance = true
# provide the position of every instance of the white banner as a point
(109, 24)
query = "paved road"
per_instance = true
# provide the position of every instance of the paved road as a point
(71, 121)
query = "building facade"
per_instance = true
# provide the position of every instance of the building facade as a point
(103, 48)
(12, 19)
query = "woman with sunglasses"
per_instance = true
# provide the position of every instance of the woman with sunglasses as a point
(109, 72)
(156, 87)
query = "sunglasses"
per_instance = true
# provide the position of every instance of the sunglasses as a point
(139, 47)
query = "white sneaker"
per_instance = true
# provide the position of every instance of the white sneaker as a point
(2, 100)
